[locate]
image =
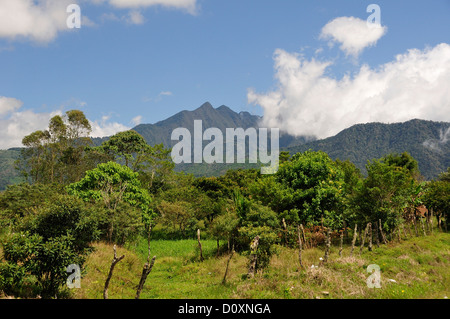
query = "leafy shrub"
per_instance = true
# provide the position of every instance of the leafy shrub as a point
(58, 235)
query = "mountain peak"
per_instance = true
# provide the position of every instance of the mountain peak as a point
(223, 108)
(205, 106)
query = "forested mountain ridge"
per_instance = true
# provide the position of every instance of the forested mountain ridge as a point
(427, 141)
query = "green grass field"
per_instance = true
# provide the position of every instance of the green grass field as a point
(414, 268)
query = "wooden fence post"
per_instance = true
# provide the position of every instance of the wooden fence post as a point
(224, 281)
(300, 246)
(253, 257)
(377, 238)
(145, 271)
(199, 244)
(431, 220)
(364, 238)
(370, 236)
(355, 233)
(285, 231)
(415, 226)
(383, 237)
(404, 231)
(423, 226)
(303, 235)
(327, 246)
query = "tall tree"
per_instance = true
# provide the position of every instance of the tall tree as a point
(153, 163)
(118, 188)
(384, 194)
(57, 154)
(315, 187)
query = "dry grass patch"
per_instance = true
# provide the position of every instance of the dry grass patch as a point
(124, 280)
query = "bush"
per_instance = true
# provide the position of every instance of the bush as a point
(57, 236)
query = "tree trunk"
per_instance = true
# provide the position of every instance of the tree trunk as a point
(111, 269)
(199, 245)
(355, 233)
(341, 245)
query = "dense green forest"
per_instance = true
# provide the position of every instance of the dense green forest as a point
(124, 190)
(424, 140)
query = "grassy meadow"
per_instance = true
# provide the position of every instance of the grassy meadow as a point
(414, 268)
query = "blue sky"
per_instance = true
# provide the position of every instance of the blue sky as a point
(141, 61)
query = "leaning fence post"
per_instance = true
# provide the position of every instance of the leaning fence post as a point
(111, 269)
(364, 238)
(145, 272)
(224, 281)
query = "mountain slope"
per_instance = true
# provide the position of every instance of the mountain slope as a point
(426, 141)
(222, 117)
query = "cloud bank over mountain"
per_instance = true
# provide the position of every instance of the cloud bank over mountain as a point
(306, 101)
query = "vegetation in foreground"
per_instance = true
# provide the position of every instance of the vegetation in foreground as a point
(124, 190)
(419, 266)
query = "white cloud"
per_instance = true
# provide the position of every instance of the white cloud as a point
(136, 120)
(435, 144)
(105, 128)
(39, 20)
(135, 17)
(352, 33)
(42, 20)
(9, 104)
(308, 102)
(16, 123)
(109, 17)
(158, 98)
